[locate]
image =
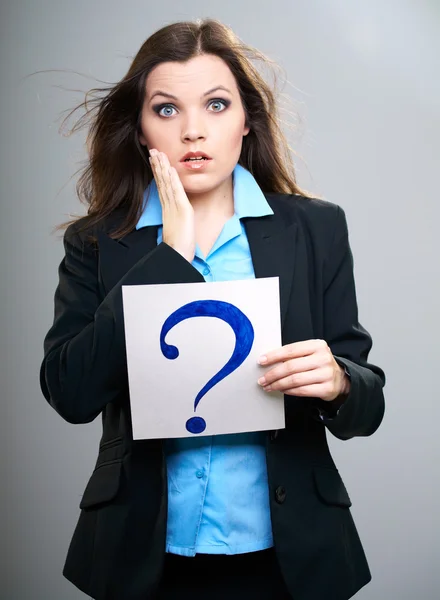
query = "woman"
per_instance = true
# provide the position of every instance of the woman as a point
(190, 180)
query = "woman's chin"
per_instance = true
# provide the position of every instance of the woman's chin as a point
(197, 185)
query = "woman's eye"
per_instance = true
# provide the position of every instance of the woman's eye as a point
(168, 108)
(221, 103)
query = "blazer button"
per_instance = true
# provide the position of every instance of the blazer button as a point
(280, 494)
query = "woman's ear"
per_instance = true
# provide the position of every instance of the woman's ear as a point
(246, 130)
(142, 140)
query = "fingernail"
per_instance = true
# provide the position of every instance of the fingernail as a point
(262, 380)
(267, 388)
(262, 360)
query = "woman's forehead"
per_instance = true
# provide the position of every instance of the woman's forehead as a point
(192, 78)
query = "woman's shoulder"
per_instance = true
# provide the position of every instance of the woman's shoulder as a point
(303, 206)
(86, 229)
(314, 214)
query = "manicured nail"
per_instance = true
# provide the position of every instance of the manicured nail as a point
(262, 380)
(262, 360)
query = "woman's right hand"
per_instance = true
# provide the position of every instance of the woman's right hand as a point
(177, 212)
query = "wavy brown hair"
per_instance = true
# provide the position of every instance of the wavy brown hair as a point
(117, 170)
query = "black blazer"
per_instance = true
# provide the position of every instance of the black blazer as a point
(118, 546)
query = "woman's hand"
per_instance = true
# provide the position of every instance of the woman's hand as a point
(177, 212)
(308, 369)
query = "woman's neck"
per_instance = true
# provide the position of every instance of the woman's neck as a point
(215, 204)
(211, 212)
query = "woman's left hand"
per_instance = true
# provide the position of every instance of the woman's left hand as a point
(307, 369)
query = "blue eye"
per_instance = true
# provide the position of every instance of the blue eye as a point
(225, 104)
(169, 107)
(159, 109)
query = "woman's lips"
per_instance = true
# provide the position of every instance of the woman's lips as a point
(196, 165)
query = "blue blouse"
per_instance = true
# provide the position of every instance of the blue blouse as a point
(218, 497)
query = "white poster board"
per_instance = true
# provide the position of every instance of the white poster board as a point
(209, 325)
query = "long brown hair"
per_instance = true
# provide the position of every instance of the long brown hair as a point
(118, 171)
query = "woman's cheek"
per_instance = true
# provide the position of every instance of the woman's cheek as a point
(236, 141)
(237, 137)
(155, 137)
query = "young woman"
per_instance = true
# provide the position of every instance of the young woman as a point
(190, 180)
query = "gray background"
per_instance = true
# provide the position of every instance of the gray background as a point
(364, 79)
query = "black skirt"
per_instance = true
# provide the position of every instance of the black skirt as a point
(250, 576)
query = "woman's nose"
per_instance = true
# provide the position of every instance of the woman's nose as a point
(194, 129)
(192, 135)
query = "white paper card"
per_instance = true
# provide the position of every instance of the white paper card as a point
(211, 324)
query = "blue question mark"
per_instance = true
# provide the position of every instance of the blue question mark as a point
(244, 339)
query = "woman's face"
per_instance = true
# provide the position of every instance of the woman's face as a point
(186, 111)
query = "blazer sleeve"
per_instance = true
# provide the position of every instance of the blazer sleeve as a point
(363, 409)
(84, 366)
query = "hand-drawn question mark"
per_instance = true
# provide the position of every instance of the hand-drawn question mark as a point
(244, 339)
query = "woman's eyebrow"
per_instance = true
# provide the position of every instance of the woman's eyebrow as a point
(167, 95)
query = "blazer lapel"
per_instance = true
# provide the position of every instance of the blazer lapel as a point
(118, 256)
(272, 243)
